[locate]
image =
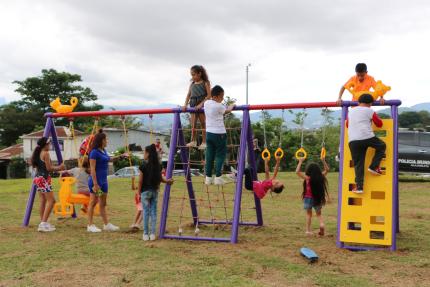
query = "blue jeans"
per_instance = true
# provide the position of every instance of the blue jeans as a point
(149, 204)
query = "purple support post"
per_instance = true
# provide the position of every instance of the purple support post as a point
(251, 162)
(30, 201)
(396, 217)
(187, 174)
(339, 244)
(239, 182)
(169, 173)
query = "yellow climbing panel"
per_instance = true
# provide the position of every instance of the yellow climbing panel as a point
(367, 219)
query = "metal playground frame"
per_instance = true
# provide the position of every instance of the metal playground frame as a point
(246, 137)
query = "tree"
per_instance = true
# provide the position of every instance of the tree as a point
(409, 119)
(36, 94)
(384, 116)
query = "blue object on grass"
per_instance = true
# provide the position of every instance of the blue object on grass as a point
(309, 254)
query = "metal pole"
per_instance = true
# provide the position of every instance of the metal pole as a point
(169, 173)
(247, 77)
(341, 159)
(239, 180)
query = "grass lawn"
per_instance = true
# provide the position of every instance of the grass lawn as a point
(265, 256)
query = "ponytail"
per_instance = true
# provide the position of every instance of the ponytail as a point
(35, 157)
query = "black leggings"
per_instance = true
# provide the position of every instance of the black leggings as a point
(248, 178)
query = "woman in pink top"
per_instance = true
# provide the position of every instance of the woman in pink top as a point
(261, 188)
(314, 191)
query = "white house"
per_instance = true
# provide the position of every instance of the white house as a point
(69, 146)
(138, 137)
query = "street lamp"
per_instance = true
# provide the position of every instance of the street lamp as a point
(247, 71)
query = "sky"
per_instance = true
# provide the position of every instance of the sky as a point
(139, 53)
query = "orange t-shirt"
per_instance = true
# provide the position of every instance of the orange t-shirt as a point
(369, 82)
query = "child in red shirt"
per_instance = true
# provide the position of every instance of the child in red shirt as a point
(314, 192)
(261, 188)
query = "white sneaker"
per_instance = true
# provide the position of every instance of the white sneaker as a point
(50, 226)
(152, 237)
(219, 181)
(202, 146)
(93, 229)
(208, 180)
(110, 227)
(145, 237)
(192, 144)
(44, 227)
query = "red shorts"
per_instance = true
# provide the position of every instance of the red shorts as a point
(43, 184)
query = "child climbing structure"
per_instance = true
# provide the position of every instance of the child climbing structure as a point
(369, 220)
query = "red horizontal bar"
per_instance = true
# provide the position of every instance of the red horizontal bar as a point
(237, 108)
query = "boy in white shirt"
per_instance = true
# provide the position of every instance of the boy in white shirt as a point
(361, 136)
(216, 135)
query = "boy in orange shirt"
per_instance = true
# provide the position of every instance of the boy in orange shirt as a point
(360, 82)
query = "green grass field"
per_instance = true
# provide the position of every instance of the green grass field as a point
(266, 256)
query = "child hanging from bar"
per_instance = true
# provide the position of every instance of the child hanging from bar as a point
(315, 191)
(216, 135)
(261, 188)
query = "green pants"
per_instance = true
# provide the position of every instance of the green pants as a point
(216, 149)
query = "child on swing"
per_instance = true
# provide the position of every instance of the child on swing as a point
(261, 188)
(314, 191)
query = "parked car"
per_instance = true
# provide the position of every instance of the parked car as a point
(414, 151)
(193, 172)
(125, 172)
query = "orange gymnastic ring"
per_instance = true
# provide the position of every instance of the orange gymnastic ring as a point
(323, 153)
(279, 153)
(265, 154)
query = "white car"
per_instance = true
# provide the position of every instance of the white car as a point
(126, 172)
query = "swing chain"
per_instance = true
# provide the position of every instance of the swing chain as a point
(302, 121)
(325, 113)
(264, 128)
(280, 129)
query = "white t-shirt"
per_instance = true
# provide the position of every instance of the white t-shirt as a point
(214, 112)
(360, 123)
(81, 178)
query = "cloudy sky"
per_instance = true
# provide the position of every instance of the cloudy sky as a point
(139, 52)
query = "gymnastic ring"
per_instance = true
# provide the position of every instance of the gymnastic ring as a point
(323, 153)
(279, 153)
(265, 154)
(301, 151)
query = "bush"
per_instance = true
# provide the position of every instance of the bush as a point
(17, 167)
(123, 161)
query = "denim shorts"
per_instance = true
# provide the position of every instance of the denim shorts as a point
(308, 203)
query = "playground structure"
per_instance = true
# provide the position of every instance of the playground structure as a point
(368, 221)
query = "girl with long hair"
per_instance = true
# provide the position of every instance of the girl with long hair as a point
(315, 191)
(97, 182)
(198, 92)
(150, 178)
(41, 161)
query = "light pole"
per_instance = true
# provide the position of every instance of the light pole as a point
(247, 72)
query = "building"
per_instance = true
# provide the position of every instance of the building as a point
(138, 138)
(6, 156)
(69, 146)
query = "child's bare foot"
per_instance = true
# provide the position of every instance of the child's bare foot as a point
(321, 233)
(309, 233)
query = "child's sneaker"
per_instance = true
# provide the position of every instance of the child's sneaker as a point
(145, 237)
(93, 229)
(202, 146)
(219, 181)
(376, 171)
(208, 180)
(45, 227)
(50, 226)
(152, 237)
(357, 190)
(110, 227)
(192, 144)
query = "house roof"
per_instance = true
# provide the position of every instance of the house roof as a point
(12, 151)
(62, 132)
